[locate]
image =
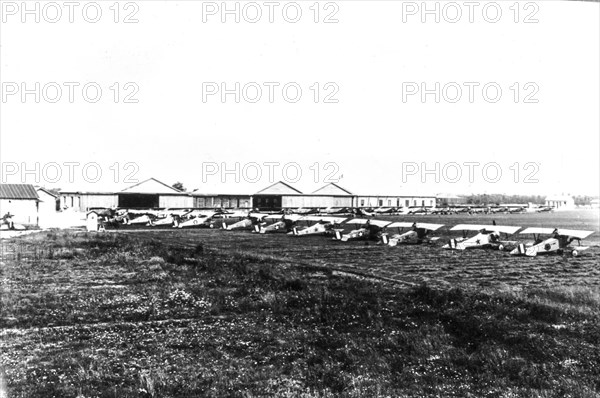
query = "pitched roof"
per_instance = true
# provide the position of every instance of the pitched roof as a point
(279, 188)
(48, 191)
(18, 191)
(151, 185)
(332, 189)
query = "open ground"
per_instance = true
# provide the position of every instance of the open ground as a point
(191, 313)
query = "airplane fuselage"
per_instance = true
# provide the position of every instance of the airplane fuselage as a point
(482, 240)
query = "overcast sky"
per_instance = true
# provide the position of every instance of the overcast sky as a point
(373, 130)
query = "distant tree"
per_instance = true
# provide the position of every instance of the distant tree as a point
(489, 199)
(584, 200)
(179, 185)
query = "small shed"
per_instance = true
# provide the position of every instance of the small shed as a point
(92, 221)
(21, 201)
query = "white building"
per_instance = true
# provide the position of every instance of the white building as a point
(561, 202)
(47, 208)
(21, 201)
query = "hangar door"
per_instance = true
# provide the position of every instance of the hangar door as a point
(138, 200)
(267, 202)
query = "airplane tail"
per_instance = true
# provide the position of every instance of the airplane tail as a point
(453, 244)
(338, 235)
(295, 231)
(257, 228)
(385, 239)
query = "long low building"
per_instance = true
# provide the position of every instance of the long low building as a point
(153, 194)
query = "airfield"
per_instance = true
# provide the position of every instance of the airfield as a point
(411, 265)
(142, 312)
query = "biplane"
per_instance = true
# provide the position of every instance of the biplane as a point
(321, 226)
(369, 229)
(488, 237)
(335, 210)
(558, 243)
(196, 218)
(417, 233)
(248, 222)
(418, 210)
(363, 212)
(144, 219)
(286, 221)
(441, 210)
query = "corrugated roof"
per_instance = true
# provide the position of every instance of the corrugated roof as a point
(18, 191)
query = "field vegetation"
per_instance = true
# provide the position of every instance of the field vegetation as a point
(139, 315)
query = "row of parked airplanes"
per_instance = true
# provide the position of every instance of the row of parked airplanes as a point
(347, 228)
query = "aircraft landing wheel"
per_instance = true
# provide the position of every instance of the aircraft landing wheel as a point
(575, 253)
(501, 247)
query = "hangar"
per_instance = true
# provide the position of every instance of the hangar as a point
(154, 194)
(147, 194)
(276, 196)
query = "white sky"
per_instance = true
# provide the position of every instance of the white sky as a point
(369, 53)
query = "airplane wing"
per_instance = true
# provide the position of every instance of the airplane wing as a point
(405, 224)
(496, 228)
(400, 224)
(258, 215)
(335, 220)
(535, 230)
(575, 233)
(379, 223)
(357, 221)
(470, 227)
(431, 227)
(274, 216)
(504, 229)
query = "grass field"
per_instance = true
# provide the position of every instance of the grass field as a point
(193, 313)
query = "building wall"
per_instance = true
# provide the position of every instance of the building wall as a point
(316, 201)
(561, 204)
(46, 209)
(24, 211)
(394, 201)
(84, 201)
(175, 201)
(90, 201)
(226, 201)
